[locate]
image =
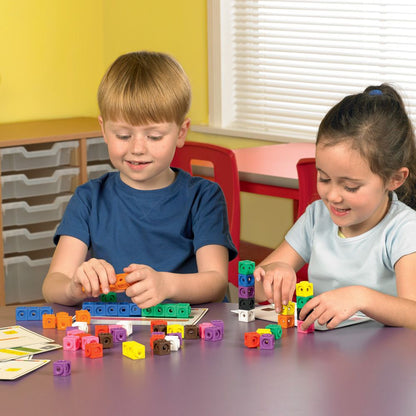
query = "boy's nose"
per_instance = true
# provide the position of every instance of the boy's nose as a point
(138, 145)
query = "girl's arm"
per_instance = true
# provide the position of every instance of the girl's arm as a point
(149, 287)
(337, 305)
(70, 278)
(276, 276)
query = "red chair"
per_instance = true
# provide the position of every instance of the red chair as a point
(307, 193)
(220, 165)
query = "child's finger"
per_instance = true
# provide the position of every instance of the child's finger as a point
(259, 273)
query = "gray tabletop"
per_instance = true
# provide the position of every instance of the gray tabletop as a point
(366, 369)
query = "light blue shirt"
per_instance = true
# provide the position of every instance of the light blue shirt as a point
(366, 260)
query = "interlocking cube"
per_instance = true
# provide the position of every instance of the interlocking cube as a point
(246, 304)
(33, 313)
(62, 368)
(121, 283)
(202, 327)
(304, 289)
(191, 332)
(21, 313)
(276, 330)
(82, 326)
(154, 337)
(108, 297)
(71, 343)
(246, 316)
(93, 350)
(48, 320)
(301, 301)
(161, 324)
(123, 309)
(63, 320)
(213, 333)
(251, 339)
(106, 340)
(128, 326)
(263, 331)
(266, 341)
(218, 322)
(119, 334)
(289, 309)
(175, 342)
(171, 310)
(101, 329)
(111, 309)
(246, 267)
(88, 339)
(306, 331)
(176, 334)
(286, 321)
(83, 316)
(176, 328)
(246, 292)
(183, 310)
(245, 280)
(161, 347)
(133, 350)
(135, 310)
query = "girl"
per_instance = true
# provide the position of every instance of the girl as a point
(359, 238)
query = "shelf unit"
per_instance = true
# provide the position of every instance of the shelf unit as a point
(42, 162)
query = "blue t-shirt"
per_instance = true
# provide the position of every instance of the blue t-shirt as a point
(161, 228)
(367, 259)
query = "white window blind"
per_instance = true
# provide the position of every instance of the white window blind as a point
(276, 67)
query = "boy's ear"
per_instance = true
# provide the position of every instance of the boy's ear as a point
(101, 121)
(398, 179)
(183, 131)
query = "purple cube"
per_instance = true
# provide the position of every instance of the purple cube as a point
(267, 341)
(213, 333)
(119, 334)
(62, 368)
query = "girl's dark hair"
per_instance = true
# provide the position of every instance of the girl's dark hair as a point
(377, 125)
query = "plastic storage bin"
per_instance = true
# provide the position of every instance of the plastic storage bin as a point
(24, 278)
(20, 158)
(96, 149)
(20, 186)
(95, 171)
(21, 213)
(21, 240)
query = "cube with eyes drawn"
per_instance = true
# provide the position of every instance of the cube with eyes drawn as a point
(304, 289)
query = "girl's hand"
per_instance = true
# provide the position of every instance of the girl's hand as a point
(333, 307)
(147, 286)
(91, 278)
(279, 282)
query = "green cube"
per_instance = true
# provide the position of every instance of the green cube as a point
(246, 267)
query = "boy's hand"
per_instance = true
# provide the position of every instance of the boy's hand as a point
(147, 286)
(279, 283)
(331, 308)
(92, 278)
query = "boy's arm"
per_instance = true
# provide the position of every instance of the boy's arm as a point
(58, 286)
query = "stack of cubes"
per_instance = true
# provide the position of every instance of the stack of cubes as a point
(246, 290)
(286, 319)
(304, 293)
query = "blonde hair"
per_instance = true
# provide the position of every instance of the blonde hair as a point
(144, 87)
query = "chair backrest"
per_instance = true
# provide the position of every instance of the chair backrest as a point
(307, 183)
(220, 165)
(307, 193)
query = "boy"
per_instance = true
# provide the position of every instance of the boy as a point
(166, 229)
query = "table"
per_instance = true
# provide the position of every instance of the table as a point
(271, 170)
(367, 369)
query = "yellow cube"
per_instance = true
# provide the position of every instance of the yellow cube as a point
(174, 328)
(134, 350)
(289, 309)
(304, 289)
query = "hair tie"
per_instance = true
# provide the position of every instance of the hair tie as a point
(375, 92)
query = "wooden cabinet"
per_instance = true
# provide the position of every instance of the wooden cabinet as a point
(42, 162)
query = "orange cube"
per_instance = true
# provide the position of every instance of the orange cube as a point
(48, 320)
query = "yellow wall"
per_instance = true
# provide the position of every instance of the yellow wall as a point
(54, 53)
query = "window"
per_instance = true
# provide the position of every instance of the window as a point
(276, 67)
